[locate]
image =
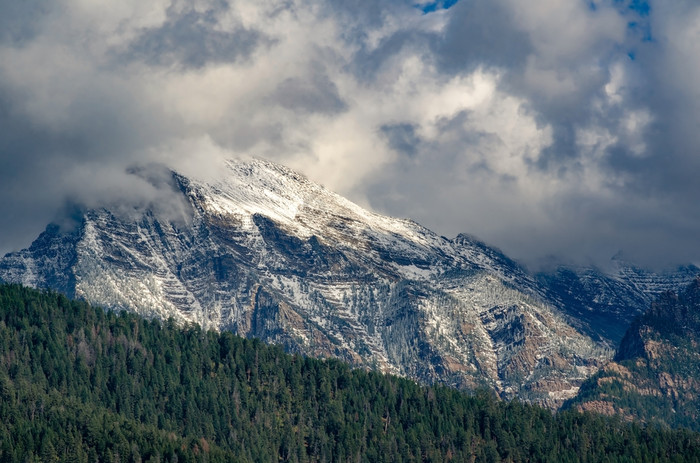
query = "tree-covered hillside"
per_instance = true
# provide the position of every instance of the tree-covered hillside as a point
(81, 384)
(655, 377)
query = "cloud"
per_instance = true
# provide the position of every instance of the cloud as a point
(564, 128)
(314, 93)
(402, 138)
(192, 38)
(21, 21)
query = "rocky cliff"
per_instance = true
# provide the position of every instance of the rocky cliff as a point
(603, 304)
(655, 376)
(264, 252)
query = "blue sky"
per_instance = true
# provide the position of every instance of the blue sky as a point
(435, 6)
(559, 130)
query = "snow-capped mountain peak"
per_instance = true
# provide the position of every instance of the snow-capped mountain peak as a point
(268, 253)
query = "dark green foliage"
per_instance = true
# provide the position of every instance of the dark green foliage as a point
(81, 384)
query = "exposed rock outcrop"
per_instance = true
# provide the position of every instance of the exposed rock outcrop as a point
(656, 373)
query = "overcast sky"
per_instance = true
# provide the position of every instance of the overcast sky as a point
(556, 129)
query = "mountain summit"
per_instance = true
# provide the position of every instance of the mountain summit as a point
(264, 252)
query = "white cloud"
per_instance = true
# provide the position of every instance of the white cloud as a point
(498, 118)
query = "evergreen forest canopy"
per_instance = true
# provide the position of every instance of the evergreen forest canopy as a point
(81, 384)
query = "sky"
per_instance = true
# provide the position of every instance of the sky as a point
(558, 130)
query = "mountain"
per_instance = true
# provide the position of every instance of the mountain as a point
(263, 252)
(82, 384)
(655, 375)
(602, 304)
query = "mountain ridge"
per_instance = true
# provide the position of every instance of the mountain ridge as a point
(266, 253)
(604, 303)
(655, 374)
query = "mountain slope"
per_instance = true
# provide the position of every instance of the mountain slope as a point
(264, 252)
(81, 384)
(656, 373)
(603, 304)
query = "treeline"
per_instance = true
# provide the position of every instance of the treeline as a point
(81, 384)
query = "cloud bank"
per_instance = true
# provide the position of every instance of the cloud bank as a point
(561, 130)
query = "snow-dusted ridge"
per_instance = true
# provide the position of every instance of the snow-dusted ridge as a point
(268, 253)
(305, 208)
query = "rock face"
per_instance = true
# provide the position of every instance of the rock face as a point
(603, 304)
(655, 376)
(264, 252)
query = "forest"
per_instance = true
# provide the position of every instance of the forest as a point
(78, 383)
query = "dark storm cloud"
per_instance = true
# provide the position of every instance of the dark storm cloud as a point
(487, 34)
(481, 33)
(437, 170)
(660, 216)
(438, 183)
(22, 203)
(670, 90)
(402, 138)
(314, 94)
(21, 21)
(369, 62)
(360, 17)
(48, 165)
(190, 38)
(41, 169)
